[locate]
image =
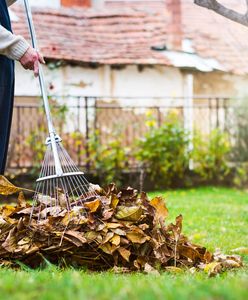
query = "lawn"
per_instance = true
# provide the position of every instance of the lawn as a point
(214, 217)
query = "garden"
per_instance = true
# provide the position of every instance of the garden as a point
(202, 227)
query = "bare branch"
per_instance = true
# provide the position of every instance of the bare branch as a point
(224, 11)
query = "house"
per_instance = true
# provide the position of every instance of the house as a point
(136, 48)
(169, 52)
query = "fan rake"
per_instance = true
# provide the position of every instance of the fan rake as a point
(60, 184)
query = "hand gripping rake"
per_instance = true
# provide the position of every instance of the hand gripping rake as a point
(61, 183)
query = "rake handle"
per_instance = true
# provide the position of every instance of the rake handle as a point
(51, 128)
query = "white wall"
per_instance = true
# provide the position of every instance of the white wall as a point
(104, 81)
(45, 3)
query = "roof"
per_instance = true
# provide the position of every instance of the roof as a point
(128, 33)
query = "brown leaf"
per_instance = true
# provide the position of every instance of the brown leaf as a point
(161, 209)
(107, 214)
(188, 252)
(93, 205)
(8, 210)
(7, 188)
(91, 236)
(119, 231)
(124, 253)
(21, 200)
(115, 240)
(137, 237)
(126, 213)
(241, 250)
(108, 236)
(75, 237)
(213, 268)
(10, 242)
(108, 248)
(114, 201)
(176, 228)
(113, 225)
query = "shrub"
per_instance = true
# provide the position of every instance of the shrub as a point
(210, 155)
(109, 159)
(164, 152)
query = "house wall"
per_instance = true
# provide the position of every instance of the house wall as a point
(220, 84)
(104, 81)
(45, 3)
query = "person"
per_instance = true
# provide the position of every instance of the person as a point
(12, 47)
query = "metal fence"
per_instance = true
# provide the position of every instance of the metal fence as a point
(79, 119)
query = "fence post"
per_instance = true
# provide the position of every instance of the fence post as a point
(189, 113)
(78, 129)
(159, 116)
(217, 113)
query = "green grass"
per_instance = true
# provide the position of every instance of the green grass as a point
(215, 217)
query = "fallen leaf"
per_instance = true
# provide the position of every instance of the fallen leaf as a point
(114, 201)
(108, 248)
(93, 205)
(124, 253)
(21, 200)
(137, 237)
(213, 268)
(126, 213)
(108, 236)
(75, 237)
(115, 240)
(119, 231)
(241, 250)
(161, 209)
(7, 188)
(10, 242)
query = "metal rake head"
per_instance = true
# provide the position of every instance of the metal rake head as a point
(65, 191)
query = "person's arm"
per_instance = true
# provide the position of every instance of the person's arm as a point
(12, 46)
(17, 48)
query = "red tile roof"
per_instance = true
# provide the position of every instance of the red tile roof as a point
(123, 33)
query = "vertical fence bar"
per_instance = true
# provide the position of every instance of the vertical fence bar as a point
(78, 130)
(225, 113)
(95, 116)
(210, 114)
(189, 112)
(87, 133)
(217, 112)
(159, 116)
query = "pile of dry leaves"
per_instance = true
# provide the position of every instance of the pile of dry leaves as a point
(119, 229)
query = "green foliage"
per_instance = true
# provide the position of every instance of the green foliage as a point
(210, 155)
(108, 159)
(240, 177)
(36, 139)
(238, 130)
(164, 152)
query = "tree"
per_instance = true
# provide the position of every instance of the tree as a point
(224, 11)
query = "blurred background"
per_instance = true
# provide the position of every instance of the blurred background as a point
(148, 93)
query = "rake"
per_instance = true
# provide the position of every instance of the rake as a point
(60, 183)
